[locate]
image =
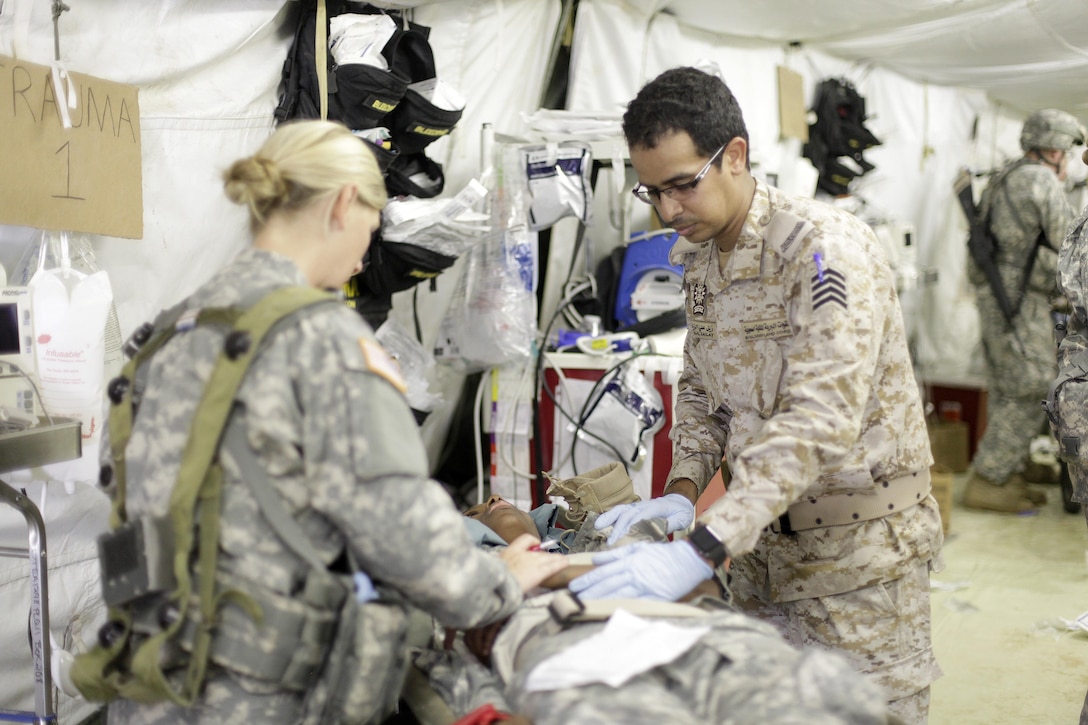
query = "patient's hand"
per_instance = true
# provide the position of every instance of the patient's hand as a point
(531, 568)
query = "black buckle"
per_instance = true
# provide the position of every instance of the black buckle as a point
(784, 524)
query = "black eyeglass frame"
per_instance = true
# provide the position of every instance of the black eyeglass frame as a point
(652, 196)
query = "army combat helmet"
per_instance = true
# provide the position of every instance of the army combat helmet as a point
(1051, 129)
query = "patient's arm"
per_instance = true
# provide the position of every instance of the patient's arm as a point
(579, 564)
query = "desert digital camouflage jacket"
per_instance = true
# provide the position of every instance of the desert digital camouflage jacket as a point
(797, 371)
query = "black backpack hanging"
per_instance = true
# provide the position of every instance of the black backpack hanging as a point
(839, 133)
(359, 95)
(363, 96)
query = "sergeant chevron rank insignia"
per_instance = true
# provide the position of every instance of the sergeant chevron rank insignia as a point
(828, 287)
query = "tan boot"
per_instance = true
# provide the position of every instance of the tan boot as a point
(982, 493)
(1035, 496)
(597, 491)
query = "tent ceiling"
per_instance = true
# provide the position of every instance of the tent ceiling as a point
(1027, 54)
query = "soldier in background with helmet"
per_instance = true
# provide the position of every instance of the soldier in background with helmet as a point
(1027, 212)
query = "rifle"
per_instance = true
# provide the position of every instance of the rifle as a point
(982, 246)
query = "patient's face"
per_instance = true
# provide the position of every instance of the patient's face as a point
(504, 518)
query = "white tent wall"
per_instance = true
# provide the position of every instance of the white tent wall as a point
(928, 131)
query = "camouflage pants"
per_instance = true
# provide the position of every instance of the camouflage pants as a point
(1011, 425)
(884, 631)
(1021, 363)
(1078, 475)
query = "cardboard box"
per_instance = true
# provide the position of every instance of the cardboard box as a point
(951, 449)
(941, 480)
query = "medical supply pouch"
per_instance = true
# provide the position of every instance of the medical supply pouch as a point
(417, 122)
(391, 267)
(364, 673)
(396, 88)
(358, 94)
(429, 109)
(169, 617)
(415, 175)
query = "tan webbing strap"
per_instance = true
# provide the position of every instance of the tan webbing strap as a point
(565, 607)
(199, 479)
(845, 508)
(321, 49)
(200, 452)
(121, 413)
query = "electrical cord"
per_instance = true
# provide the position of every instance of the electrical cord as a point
(538, 454)
(586, 410)
(579, 428)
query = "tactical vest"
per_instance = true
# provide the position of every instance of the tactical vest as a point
(165, 614)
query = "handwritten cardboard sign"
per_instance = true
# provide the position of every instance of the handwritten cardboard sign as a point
(86, 178)
(791, 105)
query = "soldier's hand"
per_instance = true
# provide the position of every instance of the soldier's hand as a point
(675, 508)
(645, 570)
(531, 568)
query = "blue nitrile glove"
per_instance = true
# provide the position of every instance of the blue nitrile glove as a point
(667, 571)
(677, 511)
(364, 588)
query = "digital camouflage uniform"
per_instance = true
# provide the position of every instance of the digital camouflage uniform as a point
(1073, 283)
(1020, 359)
(741, 671)
(323, 415)
(797, 370)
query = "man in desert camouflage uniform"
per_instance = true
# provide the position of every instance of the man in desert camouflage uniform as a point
(797, 373)
(1028, 214)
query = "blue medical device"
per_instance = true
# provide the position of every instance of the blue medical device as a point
(649, 286)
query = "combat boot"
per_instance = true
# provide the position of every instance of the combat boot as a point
(1035, 496)
(596, 491)
(982, 493)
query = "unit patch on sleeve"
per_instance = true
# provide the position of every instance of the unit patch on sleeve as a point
(379, 362)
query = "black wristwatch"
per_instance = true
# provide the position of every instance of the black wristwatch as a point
(707, 543)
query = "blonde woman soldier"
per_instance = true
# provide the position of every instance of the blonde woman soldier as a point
(321, 420)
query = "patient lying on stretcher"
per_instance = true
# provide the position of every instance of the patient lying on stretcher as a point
(559, 660)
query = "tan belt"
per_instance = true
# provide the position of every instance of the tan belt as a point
(813, 512)
(565, 606)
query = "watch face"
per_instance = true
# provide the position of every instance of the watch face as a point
(708, 544)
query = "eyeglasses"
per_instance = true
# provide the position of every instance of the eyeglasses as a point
(677, 192)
